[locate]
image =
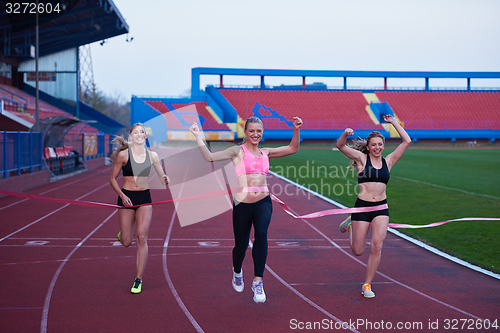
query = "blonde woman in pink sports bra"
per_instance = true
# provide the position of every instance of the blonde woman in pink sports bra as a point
(253, 204)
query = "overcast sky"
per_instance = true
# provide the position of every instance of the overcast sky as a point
(173, 36)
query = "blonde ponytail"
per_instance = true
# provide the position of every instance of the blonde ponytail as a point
(120, 144)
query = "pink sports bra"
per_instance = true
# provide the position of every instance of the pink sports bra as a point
(252, 163)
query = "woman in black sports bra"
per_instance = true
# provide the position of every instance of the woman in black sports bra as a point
(135, 162)
(373, 175)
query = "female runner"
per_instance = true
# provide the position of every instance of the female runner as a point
(373, 175)
(253, 205)
(135, 162)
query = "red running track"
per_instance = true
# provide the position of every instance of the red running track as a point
(63, 271)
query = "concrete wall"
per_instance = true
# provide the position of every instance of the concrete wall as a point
(25, 182)
(29, 181)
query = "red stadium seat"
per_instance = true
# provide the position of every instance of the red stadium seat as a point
(326, 109)
(445, 109)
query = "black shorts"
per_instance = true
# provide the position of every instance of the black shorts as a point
(369, 216)
(137, 198)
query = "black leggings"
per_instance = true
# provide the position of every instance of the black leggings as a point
(244, 215)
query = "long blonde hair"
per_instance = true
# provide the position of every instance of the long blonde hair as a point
(360, 144)
(251, 120)
(121, 144)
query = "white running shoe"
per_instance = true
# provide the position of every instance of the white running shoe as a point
(237, 282)
(366, 291)
(259, 296)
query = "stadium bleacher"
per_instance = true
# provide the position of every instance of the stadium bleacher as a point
(319, 109)
(445, 109)
(22, 105)
(183, 118)
(60, 160)
(16, 100)
(206, 119)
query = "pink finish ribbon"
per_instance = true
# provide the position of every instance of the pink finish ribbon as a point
(435, 224)
(206, 196)
(99, 204)
(72, 202)
(327, 212)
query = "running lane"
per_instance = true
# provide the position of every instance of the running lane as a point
(71, 253)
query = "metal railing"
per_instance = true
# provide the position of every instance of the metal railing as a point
(20, 152)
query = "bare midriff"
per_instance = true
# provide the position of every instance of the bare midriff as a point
(372, 192)
(135, 183)
(251, 180)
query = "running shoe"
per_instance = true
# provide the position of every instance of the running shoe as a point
(259, 296)
(366, 291)
(137, 287)
(118, 236)
(346, 225)
(237, 282)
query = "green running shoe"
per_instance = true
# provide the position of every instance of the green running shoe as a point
(137, 287)
(345, 225)
(118, 236)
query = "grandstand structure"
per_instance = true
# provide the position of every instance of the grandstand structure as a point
(41, 117)
(425, 113)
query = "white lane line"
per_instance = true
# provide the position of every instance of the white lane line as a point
(49, 214)
(165, 267)
(153, 255)
(45, 238)
(444, 255)
(362, 263)
(397, 233)
(389, 278)
(304, 298)
(34, 222)
(232, 239)
(51, 190)
(79, 259)
(335, 283)
(45, 313)
(13, 204)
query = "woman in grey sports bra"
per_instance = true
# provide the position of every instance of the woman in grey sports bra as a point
(135, 162)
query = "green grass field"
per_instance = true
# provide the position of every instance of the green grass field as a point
(426, 185)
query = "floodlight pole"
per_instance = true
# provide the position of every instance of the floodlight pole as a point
(37, 106)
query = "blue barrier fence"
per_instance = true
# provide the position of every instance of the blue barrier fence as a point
(20, 152)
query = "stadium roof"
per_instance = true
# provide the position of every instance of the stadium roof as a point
(198, 71)
(79, 22)
(340, 73)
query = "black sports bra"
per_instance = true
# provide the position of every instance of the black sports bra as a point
(370, 174)
(132, 168)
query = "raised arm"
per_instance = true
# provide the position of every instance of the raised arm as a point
(351, 153)
(227, 154)
(294, 145)
(393, 157)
